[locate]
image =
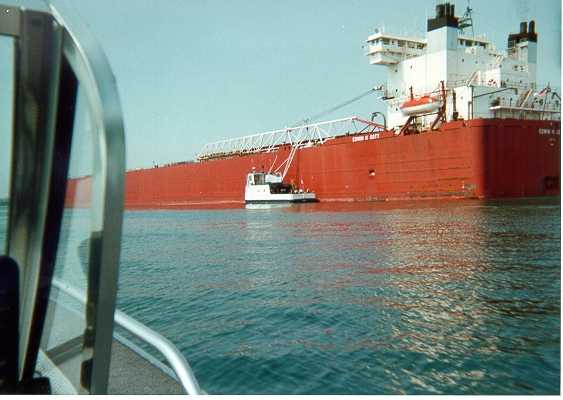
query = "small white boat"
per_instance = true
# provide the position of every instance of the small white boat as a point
(264, 187)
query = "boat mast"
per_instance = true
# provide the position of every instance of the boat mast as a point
(466, 21)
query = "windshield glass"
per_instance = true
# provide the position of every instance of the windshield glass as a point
(63, 336)
(6, 110)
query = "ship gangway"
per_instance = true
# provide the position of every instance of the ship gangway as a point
(298, 136)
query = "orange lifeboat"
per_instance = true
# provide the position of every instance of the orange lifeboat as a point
(421, 105)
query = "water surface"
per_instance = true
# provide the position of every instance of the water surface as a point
(455, 297)
(416, 298)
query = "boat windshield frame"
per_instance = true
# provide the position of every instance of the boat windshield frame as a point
(59, 50)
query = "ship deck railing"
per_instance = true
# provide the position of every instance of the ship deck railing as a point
(315, 133)
(503, 84)
(527, 114)
(451, 85)
(133, 352)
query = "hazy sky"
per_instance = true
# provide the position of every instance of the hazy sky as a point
(194, 71)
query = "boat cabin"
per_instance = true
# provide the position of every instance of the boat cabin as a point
(262, 187)
(273, 181)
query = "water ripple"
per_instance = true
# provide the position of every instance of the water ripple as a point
(450, 298)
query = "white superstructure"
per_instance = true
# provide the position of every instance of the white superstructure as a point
(482, 81)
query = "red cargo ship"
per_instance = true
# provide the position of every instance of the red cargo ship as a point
(452, 131)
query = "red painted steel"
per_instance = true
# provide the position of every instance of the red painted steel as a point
(488, 158)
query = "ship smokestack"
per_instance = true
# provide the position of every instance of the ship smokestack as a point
(445, 16)
(440, 10)
(527, 34)
(532, 28)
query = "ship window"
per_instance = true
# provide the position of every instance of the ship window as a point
(420, 46)
(385, 41)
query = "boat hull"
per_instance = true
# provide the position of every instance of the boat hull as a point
(485, 158)
(292, 201)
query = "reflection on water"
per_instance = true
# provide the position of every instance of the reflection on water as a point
(450, 297)
(428, 297)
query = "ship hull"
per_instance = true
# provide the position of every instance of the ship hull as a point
(488, 158)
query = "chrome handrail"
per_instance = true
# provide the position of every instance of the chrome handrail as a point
(173, 356)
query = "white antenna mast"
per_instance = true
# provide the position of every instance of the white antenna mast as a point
(466, 21)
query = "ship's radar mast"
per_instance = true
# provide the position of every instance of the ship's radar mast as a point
(466, 21)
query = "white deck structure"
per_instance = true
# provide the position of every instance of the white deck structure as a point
(487, 83)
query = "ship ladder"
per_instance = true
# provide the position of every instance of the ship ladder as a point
(472, 78)
(524, 98)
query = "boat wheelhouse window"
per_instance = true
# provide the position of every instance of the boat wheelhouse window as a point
(259, 179)
(385, 41)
